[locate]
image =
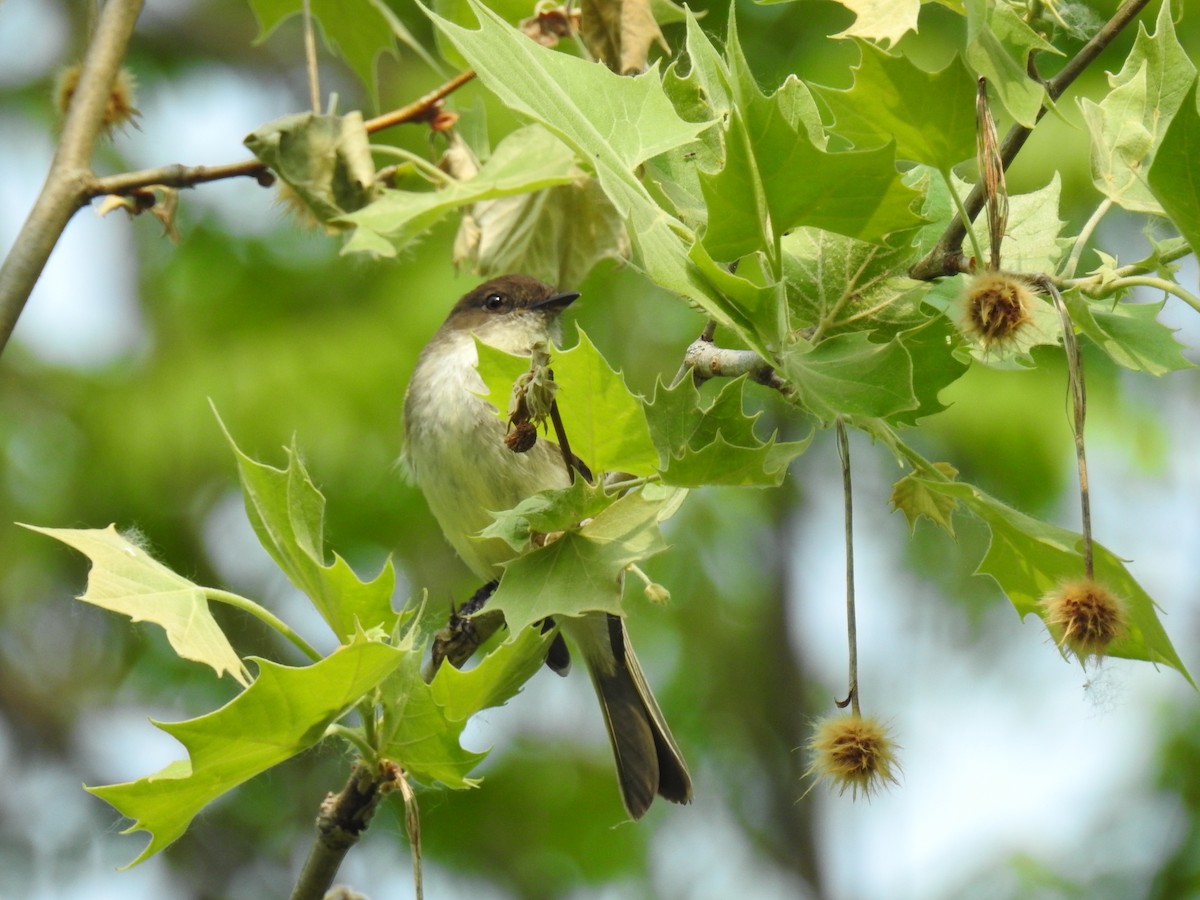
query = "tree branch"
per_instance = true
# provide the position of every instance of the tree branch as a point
(70, 184)
(946, 258)
(706, 360)
(65, 189)
(341, 822)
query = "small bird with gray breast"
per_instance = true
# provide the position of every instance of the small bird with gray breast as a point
(454, 446)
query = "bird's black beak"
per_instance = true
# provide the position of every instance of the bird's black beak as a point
(557, 302)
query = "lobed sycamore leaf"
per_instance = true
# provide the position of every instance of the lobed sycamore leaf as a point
(360, 31)
(283, 712)
(548, 511)
(497, 678)
(890, 99)
(1130, 333)
(125, 579)
(325, 160)
(416, 731)
(835, 283)
(580, 572)
(998, 44)
(287, 513)
(604, 421)
(913, 497)
(716, 444)
(399, 217)
(756, 197)
(1173, 178)
(1028, 558)
(1128, 125)
(557, 234)
(850, 375)
(881, 20)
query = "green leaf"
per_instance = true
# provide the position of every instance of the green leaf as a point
(580, 572)
(360, 31)
(756, 196)
(890, 99)
(937, 363)
(284, 712)
(604, 421)
(875, 21)
(715, 444)
(417, 733)
(1130, 333)
(399, 217)
(497, 678)
(836, 283)
(326, 160)
(556, 235)
(288, 515)
(913, 497)
(1028, 559)
(847, 374)
(548, 511)
(998, 44)
(1173, 178)
(125, 579)
(1128, 125)
(614, 122)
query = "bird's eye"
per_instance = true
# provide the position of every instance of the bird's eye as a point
(493, 302)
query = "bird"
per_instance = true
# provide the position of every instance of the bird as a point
(456, 453)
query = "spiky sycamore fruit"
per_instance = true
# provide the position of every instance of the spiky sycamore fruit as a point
(1084, 617)
(996, 309)
(853, 753)
(120, 107)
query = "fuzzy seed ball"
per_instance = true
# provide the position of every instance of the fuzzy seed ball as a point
(1084, 617)
(854, 753)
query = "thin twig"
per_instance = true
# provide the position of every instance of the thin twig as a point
(341, 822)
(70, 185)
(1079, 415)
(310, 58)
(70, 170)
(843, 445)
(946, 257)
(412, 825)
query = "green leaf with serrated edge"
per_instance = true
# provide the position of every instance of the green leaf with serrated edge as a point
(717, 444)
(360, 31)
(836, 283)
(1129, 333)
(547, 511)
(998, 44)
(856, 193)
(847, 374)
(498, 677)
(1029, 558)
(723, 463)
(401, 216)
(890, 99)
(125, 579)
(416, 732)
(283, 712)
(875, 21)
(579, 572)
(752, 293)
(287, 513)
(1173, 177)
(556, 235)
(937, 363)
(913, 497)
(1128, 124)
(1033, 241)
(604, 421)
(589, 107)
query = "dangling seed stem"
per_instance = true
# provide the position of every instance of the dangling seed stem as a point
(1075, 384)
(843, 445)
